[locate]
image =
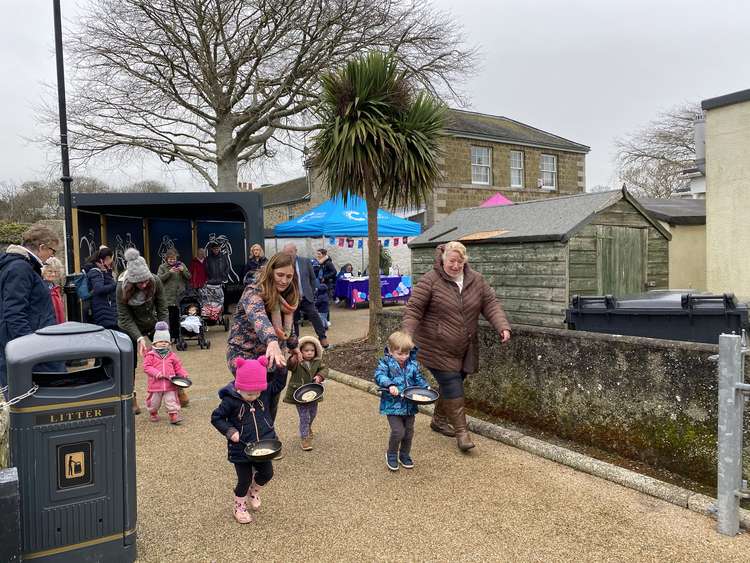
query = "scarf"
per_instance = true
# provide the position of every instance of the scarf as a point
(282, 319)
(163, 352)
(139, 298)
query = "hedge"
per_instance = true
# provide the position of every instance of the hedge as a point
(10, 233)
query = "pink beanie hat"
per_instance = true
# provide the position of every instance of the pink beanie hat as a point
(251, 375)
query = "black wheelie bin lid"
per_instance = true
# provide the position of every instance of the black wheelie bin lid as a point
(668, 314)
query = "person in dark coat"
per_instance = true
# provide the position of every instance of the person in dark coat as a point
(327, 273)
(443, 316)
(103, 288)
(216, 266)
(256, 262)
(308, 285)
(242, 419)
(25, 304)
(322, 304)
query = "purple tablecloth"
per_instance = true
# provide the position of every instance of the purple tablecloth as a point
(357, 290)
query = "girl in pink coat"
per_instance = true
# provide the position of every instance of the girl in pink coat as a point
(161, 365)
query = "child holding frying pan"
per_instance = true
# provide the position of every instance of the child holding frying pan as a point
(397, 370)
(161, 365)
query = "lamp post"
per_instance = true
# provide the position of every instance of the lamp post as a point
(72, 302)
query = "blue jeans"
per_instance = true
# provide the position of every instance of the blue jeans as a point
(451, 383)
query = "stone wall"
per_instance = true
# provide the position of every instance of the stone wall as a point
(645, 399)
(273, 215)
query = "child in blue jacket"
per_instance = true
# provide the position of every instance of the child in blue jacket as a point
(398, 369)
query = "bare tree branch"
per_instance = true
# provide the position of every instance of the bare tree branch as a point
(214, 83)
(651, 160)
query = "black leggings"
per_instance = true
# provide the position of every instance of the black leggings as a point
(451, 383)
(263, 474)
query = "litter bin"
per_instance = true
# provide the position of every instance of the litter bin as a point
(73, 443)
(672, 315)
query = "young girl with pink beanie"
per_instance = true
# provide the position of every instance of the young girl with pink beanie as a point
(242, 418)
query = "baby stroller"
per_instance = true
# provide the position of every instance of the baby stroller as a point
(212, 310)
(190, 299)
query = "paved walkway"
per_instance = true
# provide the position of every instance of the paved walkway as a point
(340, 503)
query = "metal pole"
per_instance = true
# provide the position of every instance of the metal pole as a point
(66, 179)
(731, 403)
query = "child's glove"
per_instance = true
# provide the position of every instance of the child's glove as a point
(234, 437)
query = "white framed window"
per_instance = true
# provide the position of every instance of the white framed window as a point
(516, 169)
(548, 169)
(481, 164)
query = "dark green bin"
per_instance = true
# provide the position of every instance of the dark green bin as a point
(73, 443)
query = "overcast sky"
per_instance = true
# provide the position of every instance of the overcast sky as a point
(588, 70)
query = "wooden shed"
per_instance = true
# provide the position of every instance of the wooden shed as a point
(538, 254)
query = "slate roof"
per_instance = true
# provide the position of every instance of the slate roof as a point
(676, 211)
(497, 128)
(553, 219)
(726, 100)
(285, 192)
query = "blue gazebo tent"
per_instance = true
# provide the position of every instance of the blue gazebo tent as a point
(333, 218)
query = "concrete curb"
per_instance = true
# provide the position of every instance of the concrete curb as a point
(673, 494)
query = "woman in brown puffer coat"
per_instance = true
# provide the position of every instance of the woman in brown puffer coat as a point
(442, 315)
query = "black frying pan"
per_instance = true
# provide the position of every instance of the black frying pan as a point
(182, 382)
(410, 391)
(316, 387)
(273, 445)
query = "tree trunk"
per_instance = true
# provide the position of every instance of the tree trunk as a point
(373, 265)
(226, 159)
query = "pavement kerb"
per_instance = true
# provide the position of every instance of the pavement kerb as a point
(673, 494)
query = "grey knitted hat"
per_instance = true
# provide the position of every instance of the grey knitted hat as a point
(161, 332)
(137, 269)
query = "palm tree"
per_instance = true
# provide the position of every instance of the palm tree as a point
(379, 140)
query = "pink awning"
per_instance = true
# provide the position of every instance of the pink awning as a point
(495, 200)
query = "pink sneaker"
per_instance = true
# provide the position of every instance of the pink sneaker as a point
(153, 416)
(240, 511)
(254, 496)
(175, 418)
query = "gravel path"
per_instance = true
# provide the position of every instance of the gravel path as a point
(340, 503)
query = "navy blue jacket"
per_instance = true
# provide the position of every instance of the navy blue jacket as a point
(25, 304)
(103, 300)
(321, 299)
(251, 420)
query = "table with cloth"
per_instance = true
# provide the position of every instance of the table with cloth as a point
(357, 289)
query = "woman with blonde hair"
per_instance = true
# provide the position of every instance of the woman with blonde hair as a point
(443, 316)
(262, 323)
(54, 275)
(256, 261)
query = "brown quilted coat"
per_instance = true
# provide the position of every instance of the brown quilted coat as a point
(444, 322)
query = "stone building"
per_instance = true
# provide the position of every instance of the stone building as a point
(482, 155)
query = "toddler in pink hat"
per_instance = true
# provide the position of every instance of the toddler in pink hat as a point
(242, 419)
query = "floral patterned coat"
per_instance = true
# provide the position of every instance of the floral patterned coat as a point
(251, 330)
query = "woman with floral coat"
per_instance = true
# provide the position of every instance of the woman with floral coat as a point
(274, 293)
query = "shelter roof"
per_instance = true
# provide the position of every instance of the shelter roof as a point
(210, 206)
(552, 219)
(676, 211)
(502, 129)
